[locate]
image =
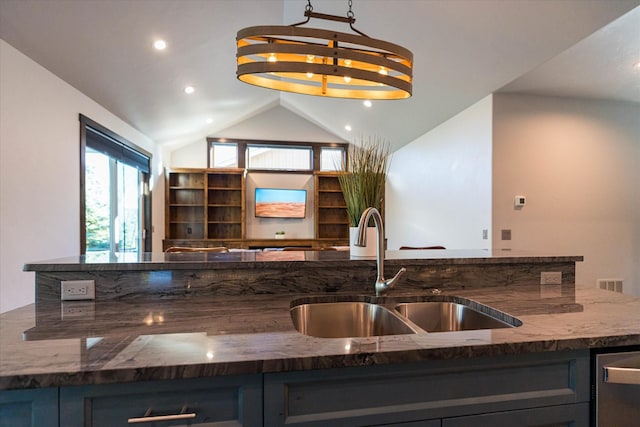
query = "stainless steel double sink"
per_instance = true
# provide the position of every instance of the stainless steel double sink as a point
(366, 319)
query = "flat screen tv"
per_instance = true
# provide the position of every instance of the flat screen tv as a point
(280, 203)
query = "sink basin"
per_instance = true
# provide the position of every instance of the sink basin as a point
(444, 316)
(347, 319)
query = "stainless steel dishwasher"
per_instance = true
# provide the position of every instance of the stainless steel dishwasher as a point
(618, 389)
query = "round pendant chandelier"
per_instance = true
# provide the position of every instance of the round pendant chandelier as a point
(323, 62)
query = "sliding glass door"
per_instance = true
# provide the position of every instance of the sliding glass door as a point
(115, 196)
(113, 204)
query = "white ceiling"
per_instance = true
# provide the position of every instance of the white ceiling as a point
(463, 50)
(600, 66)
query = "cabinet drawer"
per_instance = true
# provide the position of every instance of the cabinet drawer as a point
(554, 416)
(437, 389)
(228, 401)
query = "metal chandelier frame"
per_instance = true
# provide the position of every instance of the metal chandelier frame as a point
(322, 62)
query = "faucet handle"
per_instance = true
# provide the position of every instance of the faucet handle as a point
(383, 286)
(395, 278)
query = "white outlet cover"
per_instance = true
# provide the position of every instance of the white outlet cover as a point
(73, 290)
(551, 278)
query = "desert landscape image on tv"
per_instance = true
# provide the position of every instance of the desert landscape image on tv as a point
(280, 203)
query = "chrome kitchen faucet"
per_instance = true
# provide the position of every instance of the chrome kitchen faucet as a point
(382, 285)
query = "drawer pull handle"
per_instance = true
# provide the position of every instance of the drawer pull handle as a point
(147, 418)
(621, 375)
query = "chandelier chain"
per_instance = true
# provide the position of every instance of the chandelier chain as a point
(350, 13)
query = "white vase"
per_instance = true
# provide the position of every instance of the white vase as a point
(366, 251)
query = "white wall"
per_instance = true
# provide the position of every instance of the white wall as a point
(40, 169)
(275, 124)
(439, 186)
(578, 164)
(264, 228)
(189, 156)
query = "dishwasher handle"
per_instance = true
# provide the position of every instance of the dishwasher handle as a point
(616, 375)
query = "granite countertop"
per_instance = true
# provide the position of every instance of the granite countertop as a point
(173, 261)
(78, 343)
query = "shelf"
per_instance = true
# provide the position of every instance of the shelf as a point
(209, 204)
(186, 230)
(204, 204)
(332, 221)
(186, 197)
(333, 231)
(222, 230)
(186, 180)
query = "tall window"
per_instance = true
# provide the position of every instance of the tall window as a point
(115, 200)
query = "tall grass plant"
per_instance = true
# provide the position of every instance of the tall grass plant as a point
(364, 176)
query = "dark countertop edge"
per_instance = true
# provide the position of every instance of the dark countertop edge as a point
(255, 367)
(52, 265)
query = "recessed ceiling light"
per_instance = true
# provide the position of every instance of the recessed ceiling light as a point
(209, 120)
(189, 90)
(348, 128)
(637, 65)
(367, 103)
(160, 45)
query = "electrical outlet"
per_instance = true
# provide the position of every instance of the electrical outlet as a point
(551, 278)
(550, 291)
(77, 290)
(78, 310)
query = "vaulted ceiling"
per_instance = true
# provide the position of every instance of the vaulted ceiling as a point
(463, 50)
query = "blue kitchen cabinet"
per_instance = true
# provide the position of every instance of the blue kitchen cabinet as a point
(576, 415)
(210, 402)
(542, 385)
(29, 408)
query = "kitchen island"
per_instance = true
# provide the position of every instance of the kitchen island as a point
(246, 345)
